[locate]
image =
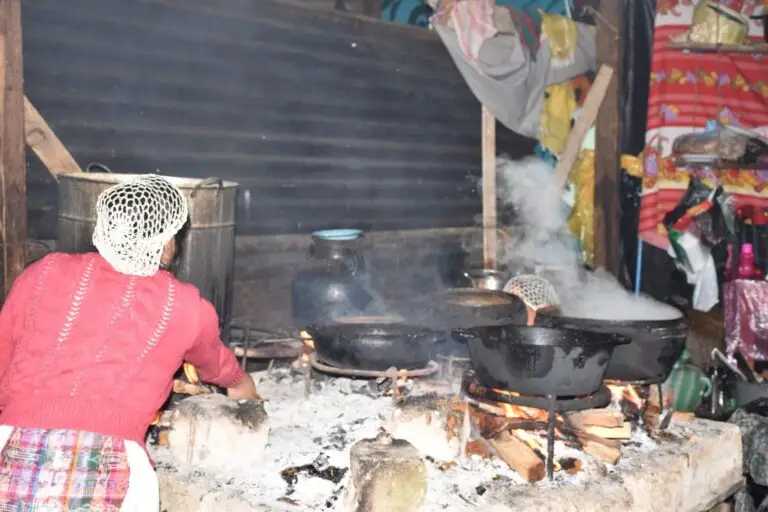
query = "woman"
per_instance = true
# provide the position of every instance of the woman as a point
(89, 344)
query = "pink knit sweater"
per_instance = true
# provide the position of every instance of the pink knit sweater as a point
(84, 347)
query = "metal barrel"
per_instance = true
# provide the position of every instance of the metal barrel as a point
(208, 248)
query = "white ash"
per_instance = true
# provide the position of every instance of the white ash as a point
(340, 412)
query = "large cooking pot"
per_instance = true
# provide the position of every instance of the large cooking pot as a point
(655, 347)
(466, 307)
(540, 360)
(374, 346)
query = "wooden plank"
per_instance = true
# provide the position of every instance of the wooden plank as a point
(610, 418)
(583, 124)
(490, 234)
(13, 170)
(44, 142)
(519, 456)
(607, 208)
(622, 432)
(605, 453)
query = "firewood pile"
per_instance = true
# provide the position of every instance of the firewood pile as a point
(517, 435)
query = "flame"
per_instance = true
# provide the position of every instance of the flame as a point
(625, 392)
(519, 411)
(307, 339)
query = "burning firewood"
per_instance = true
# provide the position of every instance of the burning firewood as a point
(185, 388)
(520, 457)
(479, 447)
(683, 416)
(622, 432)
(602, 451)
(610, 418)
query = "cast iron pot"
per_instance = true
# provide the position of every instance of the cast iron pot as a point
(376, 347)
(540, 360)
(653, 351)
(467, 307)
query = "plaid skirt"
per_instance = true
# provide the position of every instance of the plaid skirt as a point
(65, 470)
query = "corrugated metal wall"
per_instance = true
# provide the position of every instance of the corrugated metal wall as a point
(323, 118)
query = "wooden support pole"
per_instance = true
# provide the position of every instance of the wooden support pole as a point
(46, 145)
(490, 232)
(608, 135)
(13, 171)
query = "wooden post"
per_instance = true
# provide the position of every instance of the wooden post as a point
(608, 136)
(13, 171)
(490, 232)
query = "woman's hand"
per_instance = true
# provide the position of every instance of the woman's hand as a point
(244, 390)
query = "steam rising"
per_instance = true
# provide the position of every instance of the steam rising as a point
(542, 243)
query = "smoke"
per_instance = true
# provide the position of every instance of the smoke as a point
(540, 242)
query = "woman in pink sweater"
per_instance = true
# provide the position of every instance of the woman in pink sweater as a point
(89, 344)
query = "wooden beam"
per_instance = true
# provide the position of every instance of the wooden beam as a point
(13, 171)
(44, 142)
(608, 135)
(490, 233)
(583, 124)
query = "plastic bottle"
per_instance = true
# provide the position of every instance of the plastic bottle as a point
(746, 262)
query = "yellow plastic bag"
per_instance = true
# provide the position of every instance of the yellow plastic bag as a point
(556, 116)
(582, 219)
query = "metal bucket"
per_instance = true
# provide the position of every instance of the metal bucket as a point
(208, 248)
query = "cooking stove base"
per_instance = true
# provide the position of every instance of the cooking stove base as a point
(489, 399)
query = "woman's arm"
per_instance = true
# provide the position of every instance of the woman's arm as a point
(215, 363)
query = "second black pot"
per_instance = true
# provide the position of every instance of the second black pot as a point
(374, 347)
(540, 360)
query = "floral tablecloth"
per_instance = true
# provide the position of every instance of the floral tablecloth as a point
(686, 90)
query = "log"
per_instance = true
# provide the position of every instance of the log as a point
(179, 386)
(583, 124)
(607, 202)
(605, 453)
(683, 416)
(46, 145)
(610, 418)
(13, 168)
(585, 437)
(623, 432)
(490, 233)
(520, 457)
(478, 447)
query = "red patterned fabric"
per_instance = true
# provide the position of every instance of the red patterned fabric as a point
(83, 347)
(686, 90)
(62, 470)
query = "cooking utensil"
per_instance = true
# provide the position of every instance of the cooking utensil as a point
(655, 347)
(717, 354)
(465, 307)
(486, 278)
(373, 346)
(540, 360)
(745, 368)
(537, 293)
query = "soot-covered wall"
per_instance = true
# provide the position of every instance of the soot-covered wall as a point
(323, 118)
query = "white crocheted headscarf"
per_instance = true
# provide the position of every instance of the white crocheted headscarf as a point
(135, 220)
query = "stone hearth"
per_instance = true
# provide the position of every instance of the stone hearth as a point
(304, 466)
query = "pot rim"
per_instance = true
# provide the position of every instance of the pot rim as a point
(553, 336)
(619, 323)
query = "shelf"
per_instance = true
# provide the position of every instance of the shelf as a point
(719, 48)
(718, 165)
